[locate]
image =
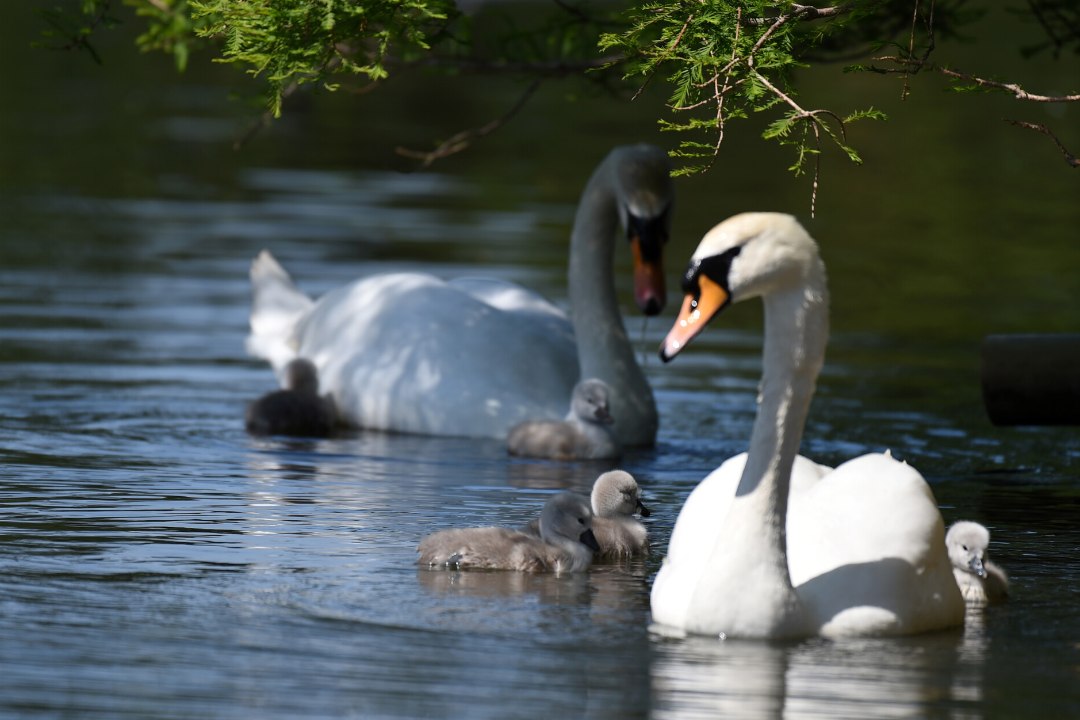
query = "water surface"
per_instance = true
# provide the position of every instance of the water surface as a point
(157, 562)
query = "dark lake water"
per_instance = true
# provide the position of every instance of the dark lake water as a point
(158, 562)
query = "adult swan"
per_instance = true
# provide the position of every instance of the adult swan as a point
(864, 550)
(410, 352)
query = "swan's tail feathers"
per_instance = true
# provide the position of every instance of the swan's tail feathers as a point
(276, 306)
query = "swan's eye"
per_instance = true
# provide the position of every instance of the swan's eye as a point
(689, 281)
(714, 267)
(581, 521)
(965, 547)
(650, 232)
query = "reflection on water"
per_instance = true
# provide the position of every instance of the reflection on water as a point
(704, 678)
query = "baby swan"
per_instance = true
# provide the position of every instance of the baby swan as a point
(981, 581)
(615, 498)
(585, 434)
(297, 410)
(566, 542)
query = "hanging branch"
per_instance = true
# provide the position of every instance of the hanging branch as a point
(1071, 159)
(1012, 88)
(462, 140)
(910, 64)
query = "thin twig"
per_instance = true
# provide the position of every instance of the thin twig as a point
(80, 40)
(805, 12)
(815, 123)
(462, 140)
(817, 169)
(709, 100)
(670, 50)
(722, 92)
(1018, 92)
(575, 11)
(906, 90)
(1071, 159)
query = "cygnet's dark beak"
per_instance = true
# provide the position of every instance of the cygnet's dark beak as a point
(977, 567)
(588, 539)
(645, 512)
(603, 416)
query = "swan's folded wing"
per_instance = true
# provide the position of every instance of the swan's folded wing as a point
(869, 538)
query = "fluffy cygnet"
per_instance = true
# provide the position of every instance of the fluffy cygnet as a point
(566, 542)
(615, 498)
(981, 581)
(585, 434)
(296, 410)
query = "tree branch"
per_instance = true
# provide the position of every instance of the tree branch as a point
(674, 44)
(1013, 88)
(805, 12)
(462, 140)
(1071, 159)
(815, 123)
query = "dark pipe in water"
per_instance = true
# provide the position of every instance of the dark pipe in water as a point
(1032, 379)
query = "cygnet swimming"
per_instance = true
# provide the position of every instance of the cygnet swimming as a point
(615, 498)
(566, 542)
(296, 410)
(585, 433)
(981, 581)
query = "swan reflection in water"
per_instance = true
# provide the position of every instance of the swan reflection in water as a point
(939, 674)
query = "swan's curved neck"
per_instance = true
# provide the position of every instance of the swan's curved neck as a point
(752, 549)
(796, 332)
(604, 348)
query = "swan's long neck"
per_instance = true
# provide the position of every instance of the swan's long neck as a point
(604, 349)
(752, 549)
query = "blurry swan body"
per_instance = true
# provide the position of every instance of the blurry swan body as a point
(615, 498)
(297, 410)
(981, 581)
(585, 433)
(566, 542)
(771, 544)
(411, 352)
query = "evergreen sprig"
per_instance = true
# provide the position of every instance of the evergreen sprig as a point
(295, 42)
(729, 59)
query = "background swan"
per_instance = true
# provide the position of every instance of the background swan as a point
(566, 542)
(296, 410)
(981, 581)
(585, 433)
(773, 545)
(411, 352)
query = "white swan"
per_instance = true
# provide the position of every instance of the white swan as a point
(566, 542)
(296, 410)
(584, 434)
(858, 550)
(413, 353)
(981, 581)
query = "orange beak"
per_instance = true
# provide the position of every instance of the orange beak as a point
(694, 316)
(649, 291)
